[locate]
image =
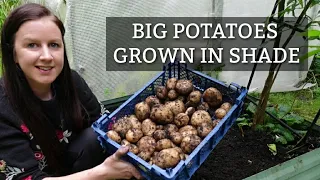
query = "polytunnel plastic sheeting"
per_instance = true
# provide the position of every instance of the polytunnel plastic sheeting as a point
(85, 23)
(86, 27)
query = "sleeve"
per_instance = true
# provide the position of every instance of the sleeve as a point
(87, 98)
(17, 159)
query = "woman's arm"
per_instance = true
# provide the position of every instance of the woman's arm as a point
(112, 168)
(18, 160)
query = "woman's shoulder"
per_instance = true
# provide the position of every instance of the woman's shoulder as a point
(77, 78)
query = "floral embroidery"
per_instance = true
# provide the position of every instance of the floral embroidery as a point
(9, 171)
(41, 160)
(26, 130)
(27, 178)
(38, 155)
(63, 136)
(59, 134)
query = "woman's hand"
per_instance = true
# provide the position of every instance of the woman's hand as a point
(115, 168)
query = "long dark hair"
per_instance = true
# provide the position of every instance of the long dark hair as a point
(22, 98)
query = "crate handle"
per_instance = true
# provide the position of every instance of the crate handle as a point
(235, 85)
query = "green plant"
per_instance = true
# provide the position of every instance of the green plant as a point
(107, 92)
(281, 111)
(6, 6)
(284, 8)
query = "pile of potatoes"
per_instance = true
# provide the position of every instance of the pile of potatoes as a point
(168, 126)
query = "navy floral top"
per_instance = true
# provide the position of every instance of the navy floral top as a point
(20, 155)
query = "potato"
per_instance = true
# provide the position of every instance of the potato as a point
(181, 154)
(188, 130)
(171, 83)
(142, 110)
(181, 119)
(152, 100)
(161, 92)
(226, 106)
(124, 142)
(132, 147)
(167, 158)
(145, 155)
(133, 135)
(169, 128)
(215, 122)
(179, 150)
(163, 144)
(114, 136)
(200, 116)
(184, 87)
(146, 143)
(189, 143)
(161, 114)
(175, 137)
(122, 126)
(204, 129)
(176, 106)
(148, 127)
(182, 98)
(194, 98)
(212, 96)
(172, 94)
(159, 127)
(134, 121)
(203, 106)
(220, 113)
(190, 111)
(159, 134)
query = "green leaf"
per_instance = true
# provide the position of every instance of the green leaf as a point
(309, 54)
(301, 3)
(311, 33)
(272, 148)
(289, 2)
(241, 124)
(283, 110)
(314, 2)
(251, 108)
(286, 10)
(240, 119)
(276, 131)
(280, 139)
(292, 119)
(288, 135)
(273, 111)
(271, 126)
(302, 133)
(260, 127)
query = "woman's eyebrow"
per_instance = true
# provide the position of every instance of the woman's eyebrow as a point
(35, 39)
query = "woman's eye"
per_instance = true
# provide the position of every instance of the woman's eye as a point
(54, 45)
(32, 45)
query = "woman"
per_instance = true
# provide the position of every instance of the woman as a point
(46, 108)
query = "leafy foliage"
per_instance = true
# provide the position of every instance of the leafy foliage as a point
(281, 135)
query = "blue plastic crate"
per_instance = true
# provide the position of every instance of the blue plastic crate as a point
(184, 170)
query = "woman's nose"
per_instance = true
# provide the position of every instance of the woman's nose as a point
(45, 53)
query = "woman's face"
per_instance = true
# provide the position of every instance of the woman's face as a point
(39, 51)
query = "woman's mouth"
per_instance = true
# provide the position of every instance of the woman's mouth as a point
(44, 68)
